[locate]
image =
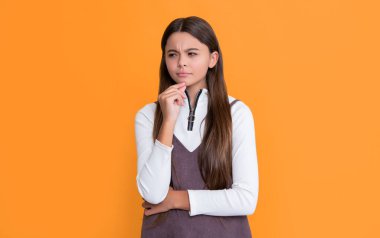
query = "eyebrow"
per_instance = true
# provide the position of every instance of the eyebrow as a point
(185, 50)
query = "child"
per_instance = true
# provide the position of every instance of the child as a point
(197, 164)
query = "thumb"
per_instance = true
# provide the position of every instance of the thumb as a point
(146, 211)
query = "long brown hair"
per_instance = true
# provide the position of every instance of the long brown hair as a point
(215, 154)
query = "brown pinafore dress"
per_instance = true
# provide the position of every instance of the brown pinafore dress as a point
(177, 223)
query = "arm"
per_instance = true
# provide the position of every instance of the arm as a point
(241, 199)
(154, 159)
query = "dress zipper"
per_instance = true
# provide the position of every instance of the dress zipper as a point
(191, 117)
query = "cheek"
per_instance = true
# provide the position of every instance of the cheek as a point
(170, 66)
(201, 66)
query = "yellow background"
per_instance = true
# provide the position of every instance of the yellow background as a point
(74, 73)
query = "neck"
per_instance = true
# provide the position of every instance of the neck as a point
(193, 91)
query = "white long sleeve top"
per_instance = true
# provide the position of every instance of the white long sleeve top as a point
(154, 160)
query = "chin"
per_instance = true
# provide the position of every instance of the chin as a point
(182, 81)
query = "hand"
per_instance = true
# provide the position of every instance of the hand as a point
(164, 206)
(171, 100)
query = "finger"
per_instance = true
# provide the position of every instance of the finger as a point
(180, 101)
(175, 97)
(183, 88)
(174, 91)
(178, 86)
(146, 205)
(170, 90)
(147, 212)
(182, 91)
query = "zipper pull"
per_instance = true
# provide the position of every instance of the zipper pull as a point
(191, 117)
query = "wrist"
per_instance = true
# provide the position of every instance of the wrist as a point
(168, 123)
(165, 136)
(181, 200)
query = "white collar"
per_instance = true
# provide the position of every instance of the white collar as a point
(202, 97)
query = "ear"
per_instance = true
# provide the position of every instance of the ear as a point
(213, 59)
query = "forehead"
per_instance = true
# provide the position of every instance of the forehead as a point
(182, 41)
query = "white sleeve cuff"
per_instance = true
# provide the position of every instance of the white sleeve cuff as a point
(163, 146)
(192, 201)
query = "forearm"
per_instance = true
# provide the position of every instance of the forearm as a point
(236, 201)
(154, 176)
(165, 136)
(181, 200)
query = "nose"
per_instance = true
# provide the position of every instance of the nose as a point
(181, 61)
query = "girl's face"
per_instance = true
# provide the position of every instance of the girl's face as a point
(187, 55)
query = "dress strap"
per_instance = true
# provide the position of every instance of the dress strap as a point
(233, 102)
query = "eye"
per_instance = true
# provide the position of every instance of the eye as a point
(170, 55)
(192, 53)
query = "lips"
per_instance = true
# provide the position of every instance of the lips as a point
(183, 74)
